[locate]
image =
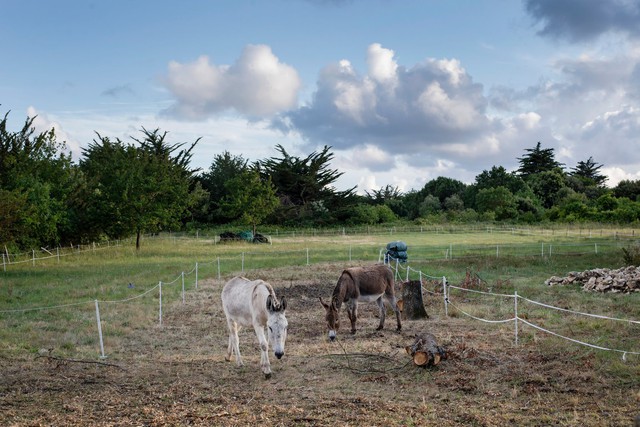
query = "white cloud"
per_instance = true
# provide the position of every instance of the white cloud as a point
(371, 157)
(429, 104)
(258, 85)
(382, 67)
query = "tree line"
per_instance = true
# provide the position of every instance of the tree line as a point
(120, 189)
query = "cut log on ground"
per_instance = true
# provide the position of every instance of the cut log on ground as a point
(425, 350)
(412, 306)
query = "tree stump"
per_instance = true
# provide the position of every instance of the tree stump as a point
(425, 350)
(412, 306)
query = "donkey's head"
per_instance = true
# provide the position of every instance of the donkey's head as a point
(332, 317)
(277, 325)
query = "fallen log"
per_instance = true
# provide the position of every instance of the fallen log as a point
(425, 350)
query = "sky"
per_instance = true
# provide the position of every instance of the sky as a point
(403, 92)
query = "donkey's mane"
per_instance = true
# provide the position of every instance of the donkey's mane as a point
(340, 290)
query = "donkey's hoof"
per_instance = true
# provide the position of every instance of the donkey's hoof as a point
(379, 328)
(267, 376)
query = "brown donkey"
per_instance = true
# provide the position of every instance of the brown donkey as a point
(361, 284)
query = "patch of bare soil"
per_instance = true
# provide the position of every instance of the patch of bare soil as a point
(176, 374)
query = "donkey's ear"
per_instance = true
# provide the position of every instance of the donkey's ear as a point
(283, 304)
(324, 304)
(270, 303)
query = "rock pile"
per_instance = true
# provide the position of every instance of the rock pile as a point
(623, 280)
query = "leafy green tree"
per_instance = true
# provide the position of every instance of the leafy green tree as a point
(409, 205)
(537, 160)
(384, 195)
(498, 176)
(627, 188)
(588, 173)
(136, 189)
(607, 202)
(300, 182)
(498, 200)
(250, 198)
(35, 178)
(575, 210)
(430, 205)
(443, 187)
(224, 167)
(454, 203)
(13, 209)
(627, 211)
(363, 213)
(547, 186)
(385, 214)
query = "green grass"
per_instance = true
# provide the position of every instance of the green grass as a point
(503, 262)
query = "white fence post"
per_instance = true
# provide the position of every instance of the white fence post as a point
(218, 268)
(445, 296)
(307, 256)
(160, 298)
(183, 287)
(516, 315)
(242, 262)
(102, 356)
(196, 274)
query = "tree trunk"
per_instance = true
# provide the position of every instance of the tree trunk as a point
(412, 305)
(138, 240)
(425, 350)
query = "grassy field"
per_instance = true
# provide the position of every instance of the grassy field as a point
(164, 352)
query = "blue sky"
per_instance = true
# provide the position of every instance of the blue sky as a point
(404, 91)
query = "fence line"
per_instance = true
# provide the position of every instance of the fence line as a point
(448, 252)
(516, 318)
(398, 267)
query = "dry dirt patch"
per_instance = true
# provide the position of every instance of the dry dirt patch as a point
(176, 374)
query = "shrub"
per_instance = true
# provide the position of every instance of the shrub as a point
(631, 255)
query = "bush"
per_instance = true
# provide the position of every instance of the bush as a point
(631, 255)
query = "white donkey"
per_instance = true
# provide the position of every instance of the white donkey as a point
(253, 302)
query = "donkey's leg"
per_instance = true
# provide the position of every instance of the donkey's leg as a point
(234, 343)
(352, 312)
(394, 305)
(383, 314)
(264, 350)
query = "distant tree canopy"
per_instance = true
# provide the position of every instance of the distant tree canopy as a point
(119, 190)
(249, 198)
(305, 185)
(588, 172)
(537, 160)
(135, 189)
(225, 167)
(35, 181)
(384, 195)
